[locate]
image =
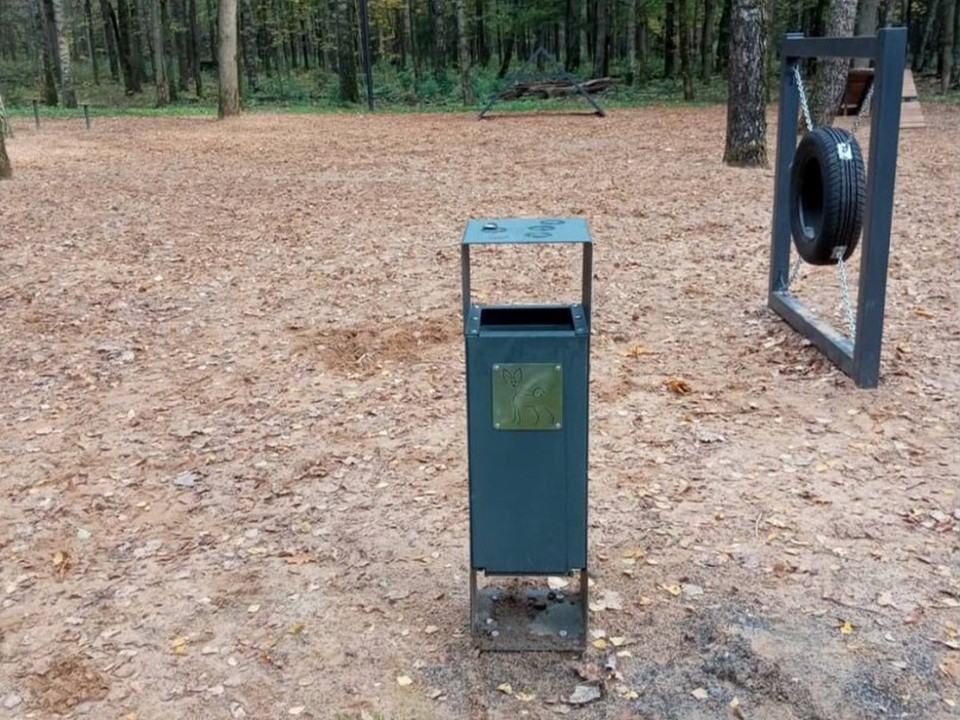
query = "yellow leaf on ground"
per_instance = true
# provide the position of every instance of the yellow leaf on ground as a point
(404, 680)
(599, 644)
(847, 628)
(674, 590)
(505, 688)
(179, 645)
(638, 352)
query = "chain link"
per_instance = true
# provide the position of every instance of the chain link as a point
(794, 271)
(801, 91)
(864, 108)
(845, 290)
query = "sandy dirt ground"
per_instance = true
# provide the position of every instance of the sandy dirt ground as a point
(233, 447)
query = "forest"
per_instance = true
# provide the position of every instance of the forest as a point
(448, 52)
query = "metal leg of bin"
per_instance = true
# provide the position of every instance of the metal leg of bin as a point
(584, 598)
(474, 619)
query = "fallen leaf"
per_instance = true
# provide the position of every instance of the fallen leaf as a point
(297, 628)
(885, 599)
(557, 583)
(404, 680)
(253, 608)
(618, 641)
(599, 644)
(847, 628)
(179, 645)
(186, 479)
(524, 697)
(674, 590)
(584, 694)
(505, 688)
(430, 629)
(700, 693)
(678, 385)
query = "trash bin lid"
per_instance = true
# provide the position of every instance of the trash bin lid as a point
(493, 231)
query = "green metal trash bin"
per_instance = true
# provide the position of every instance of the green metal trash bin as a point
(527, 376)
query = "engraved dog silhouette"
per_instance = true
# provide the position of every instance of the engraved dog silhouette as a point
(527, 400)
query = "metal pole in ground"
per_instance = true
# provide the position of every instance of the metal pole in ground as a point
(86, 115)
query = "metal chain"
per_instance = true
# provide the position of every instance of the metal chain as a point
(801, 91)
(794, 271)
(864, 108)
(838, 253)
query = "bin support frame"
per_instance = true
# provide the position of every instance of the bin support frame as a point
(528, 446)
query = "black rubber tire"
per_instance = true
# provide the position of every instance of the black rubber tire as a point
(827, 196)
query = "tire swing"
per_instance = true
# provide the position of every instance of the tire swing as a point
(827, 189)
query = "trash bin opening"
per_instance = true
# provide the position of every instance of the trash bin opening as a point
(527, 318)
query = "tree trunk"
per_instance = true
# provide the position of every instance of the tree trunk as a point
(193, 39)
(412, 42)
(955, 64)
(669, 43)
(723, 37)
(439, 40)
(159, 60)
(140, 30)
(346, 62)
(51, 39)
(227, 59)
(706, 40)
(463, 53)
(110, 39)
(5, 170)
(832, 77)
(946, 45)
(746, 143)
(685, 33)
(644, 42)
(248, 43)
(920, 59)
(632, 39)
(584, 41)
(507, 55)
(185, 68)
(48, 89)
(866, 25)
(129, 64)
(600, 61)
(88, 12)
(64, 41)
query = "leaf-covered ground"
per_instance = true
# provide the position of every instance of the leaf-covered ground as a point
(232, 427)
